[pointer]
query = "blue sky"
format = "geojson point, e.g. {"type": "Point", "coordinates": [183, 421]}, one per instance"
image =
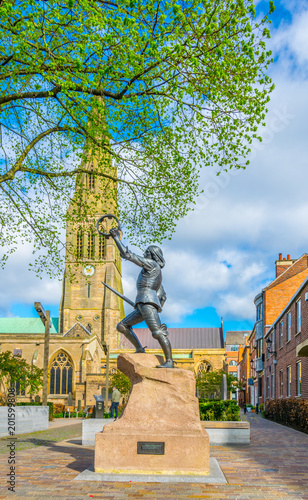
{"type": "Point", "coordinates": [224, 253]}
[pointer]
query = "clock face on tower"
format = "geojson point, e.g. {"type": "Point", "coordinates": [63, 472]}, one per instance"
{"type": "Point", "coordinates": [88, 270]}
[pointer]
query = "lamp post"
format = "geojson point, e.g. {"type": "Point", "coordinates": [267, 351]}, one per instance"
{"type": "Point", "coordinates": [269, 343]}
{"type": "Point", "coordinates": [45, 317]}
{"type": "Point", "coordinates": [106, 351]}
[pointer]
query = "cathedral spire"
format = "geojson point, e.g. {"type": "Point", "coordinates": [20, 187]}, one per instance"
{"type": "Point", "coordinates": [90, 257]}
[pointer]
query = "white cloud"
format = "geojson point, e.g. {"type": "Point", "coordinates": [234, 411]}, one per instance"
{"type": "Point", "coordinates": [19, 285]}
{"type": "Point", "coordinates": [292, 39]}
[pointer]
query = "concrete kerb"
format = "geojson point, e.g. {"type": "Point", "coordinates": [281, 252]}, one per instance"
{"type": "Point", "coordinates": [215, 476]}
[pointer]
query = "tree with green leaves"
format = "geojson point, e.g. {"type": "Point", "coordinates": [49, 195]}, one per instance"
{"type": "Point", "coordinates": [14, 369]}
{"type": "Point", "coordinates": [142, 93]}
{"type": "Point", "coordinates": [121, 382]}
{"type": "Point", "coordinates": [209, 383]}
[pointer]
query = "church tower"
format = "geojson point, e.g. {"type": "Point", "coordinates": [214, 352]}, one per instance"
{"type": "Point", "coordinates": [92, 258]}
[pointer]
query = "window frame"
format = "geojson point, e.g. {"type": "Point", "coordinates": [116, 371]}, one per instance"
{"type": "Point", "coordinates": [289, 325]}
{"type": "Point", "coordinates": [56, 377]}
{"type": "Point", "coordinates": [289, 381]}
{"type": "Point", "coordinates": [298, 316]}
{"type": "Point", "coordinates": [273, 385]}
{"type": "Point", "coordinates": [299, 378]}
{"type": "Point", "coordinates": [280, 334]}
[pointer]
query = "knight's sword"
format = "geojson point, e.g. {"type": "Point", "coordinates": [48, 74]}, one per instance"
{"type": "Point", "coordinates": [130, 302]}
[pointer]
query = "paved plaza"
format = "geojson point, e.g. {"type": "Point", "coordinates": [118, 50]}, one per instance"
{"type": "Point", "coordinates": [274, 466]}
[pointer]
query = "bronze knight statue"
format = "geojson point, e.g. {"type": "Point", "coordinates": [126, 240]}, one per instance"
{"type": "Point", "coordinates": [150, 298]}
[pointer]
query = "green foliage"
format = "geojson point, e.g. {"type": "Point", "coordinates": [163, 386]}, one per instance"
{"type": "Point", "coordinates": [15, 369]}
{"type": "Point", "coordinates": [227, 410]}
{"type": "Point", "coordinates": [157, 88]}
{"type": "Point", "coordinates": [261, 407]}
{"type": "Point", "coordinates": [121, 382]}
{"type": "Point", "coordinates": [291, 412]}
{"type": "Point", "coordinates": [209, 383]}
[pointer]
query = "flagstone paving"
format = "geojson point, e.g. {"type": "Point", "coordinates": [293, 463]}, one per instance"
{"type": "Point", "coordinates": [44, 438]}
{"type": "Point", "coordinates": [274, 466]}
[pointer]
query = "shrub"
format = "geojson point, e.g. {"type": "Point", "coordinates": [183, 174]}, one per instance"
{"type": "Point", "coordinates": [261, 407]}
{"type": "Point", "coordinates": [291, 412]}
{"type": "Point", "coordinates": [219, 410]}
{"type": "Point", "coordinates": [58, 408]}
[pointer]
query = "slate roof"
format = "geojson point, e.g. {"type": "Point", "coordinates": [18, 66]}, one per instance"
{"type": "Point", "coordinates": [237, 338]}
{"type": "Point", "coordinates": [181, 338]}
{"type": "Point", "coordinates": [26, 326]}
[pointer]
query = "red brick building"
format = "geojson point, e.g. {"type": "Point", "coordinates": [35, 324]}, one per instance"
{"type": "Point", "coordinates": [234, 341]}
{"type": "Point", "coordinates": [274, 301]}
{"type": "Point", "coordinates": [286, 357]}
{"type": "Point", "coordinates": [244, 372]}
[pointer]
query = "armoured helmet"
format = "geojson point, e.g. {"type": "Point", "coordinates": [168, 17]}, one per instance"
{"type": "Point", "coordinates": [156, 254]}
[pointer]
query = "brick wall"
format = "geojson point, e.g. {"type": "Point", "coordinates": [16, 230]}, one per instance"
{"type": "Point", "coordinates": [286, 355]}
{"type": "Point", "coordinates": [278, 296]}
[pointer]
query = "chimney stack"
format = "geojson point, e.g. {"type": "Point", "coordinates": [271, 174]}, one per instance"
{"type": "Point", "coordinates": [283, 263]}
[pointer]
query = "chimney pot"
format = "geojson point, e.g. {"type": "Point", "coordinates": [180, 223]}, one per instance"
{"type": "Point", "coordinates": [284, 258]}
{"type": "Point", "coordinates": [288, 257]}
{"type": "Point", "coordinates": [280, 256]}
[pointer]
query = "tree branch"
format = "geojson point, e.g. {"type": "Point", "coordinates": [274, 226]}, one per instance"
{"type": "Point", "coordinates": [10, 174]}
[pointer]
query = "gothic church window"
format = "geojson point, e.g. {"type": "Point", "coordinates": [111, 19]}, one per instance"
{"type": "Point", "coordinates": [61, 374]}
{"type": "Point", "coordinates": [91, 245]}
{"type": "Point", "coordinates": [91, 181]}
{"type": "Point", "coordinates": [203, 367]}
{"type": "Point", "coordinates": [79, 244]}
{"type": "Point", "coordinates": [102, 247]}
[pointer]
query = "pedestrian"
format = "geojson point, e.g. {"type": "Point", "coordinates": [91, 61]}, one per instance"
{"type": "Point", "coordinates": [115, 398]}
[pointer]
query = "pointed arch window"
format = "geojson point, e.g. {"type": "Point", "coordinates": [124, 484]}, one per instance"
{"type": "Point", "coordinates": [61, 374]}
{"type": "Point", "coordinates": [102, 247]}
{"type": "Point", "coordinates": [91, 245]}
{"type": "Point", "coordinates": [203, 367]}
{"type": "Point", "coordinates": [79, 244]}
{"type": "Point", "coordinates": [91, 181]}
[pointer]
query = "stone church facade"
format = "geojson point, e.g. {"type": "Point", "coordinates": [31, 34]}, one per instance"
{"type": "Point", "coordinates": [89, 313]}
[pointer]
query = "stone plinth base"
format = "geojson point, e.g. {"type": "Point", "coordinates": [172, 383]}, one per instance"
{"type": "Point", "coordinates": [184, 454]}
{"type": "Point", "coordinates": [162, 408]}
{"type": "Point", "coordinates": [215, 476]}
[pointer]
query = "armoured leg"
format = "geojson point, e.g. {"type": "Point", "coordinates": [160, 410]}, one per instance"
{"type": "Point", "coordinates": [125, 327]}
{"type": "Point", "coordinates": [159, 331]}
{"type": "Point", "coordinates": [162, 336]}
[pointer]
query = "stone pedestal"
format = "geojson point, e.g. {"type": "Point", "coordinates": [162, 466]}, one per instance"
{"type": "Point", "coordinates": [162, 408]}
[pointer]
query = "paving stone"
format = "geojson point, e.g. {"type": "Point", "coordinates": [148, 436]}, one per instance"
{"type": "Point", "coordinates": [274, 466]}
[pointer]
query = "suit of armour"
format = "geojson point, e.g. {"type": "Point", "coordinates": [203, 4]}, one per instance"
{"type": "Point", "coordinates": [150, 298]}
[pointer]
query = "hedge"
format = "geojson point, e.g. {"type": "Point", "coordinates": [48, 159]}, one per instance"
{"type": "Point", "coordinates": [223, 410]}
{"type": "Point", "coordinates": [291, 412]}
